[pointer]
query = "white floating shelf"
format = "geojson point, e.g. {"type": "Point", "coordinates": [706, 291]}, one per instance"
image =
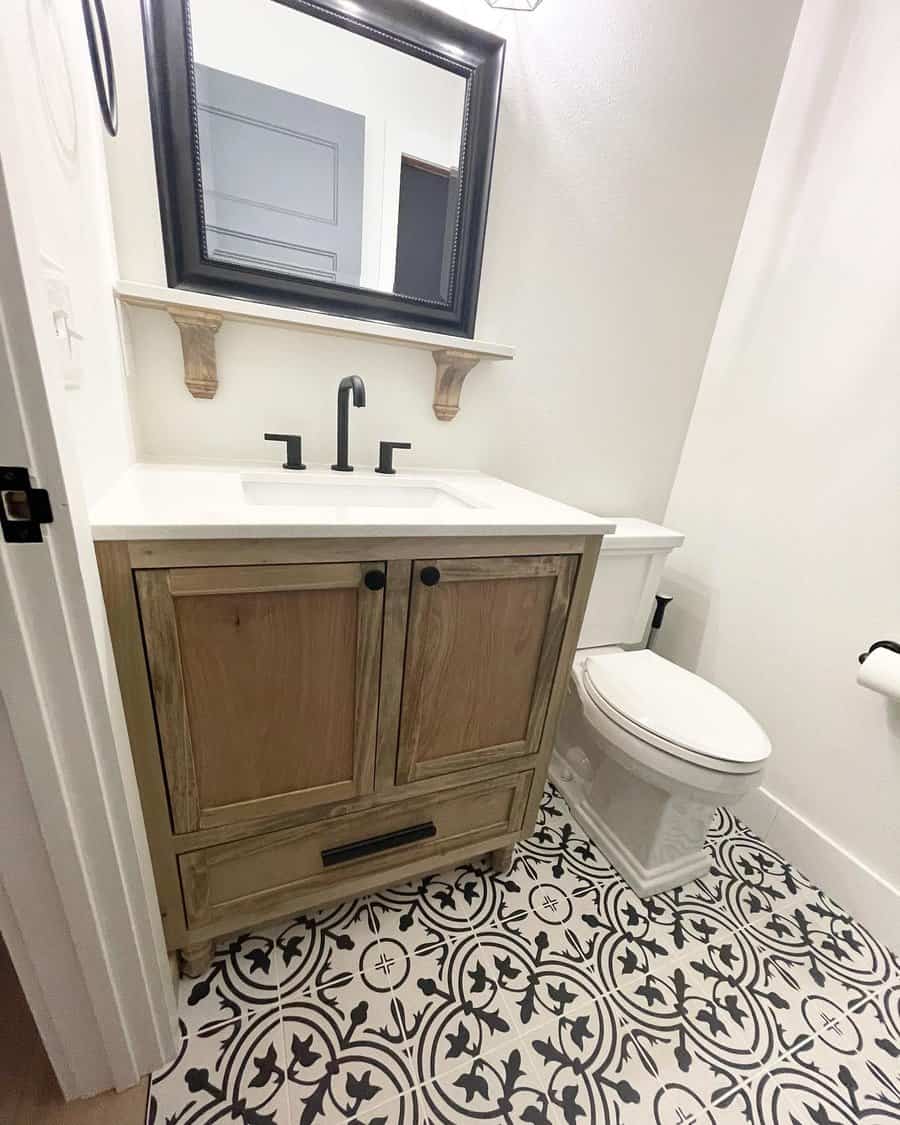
{"type": "Point", "coordinates": [200, 315]}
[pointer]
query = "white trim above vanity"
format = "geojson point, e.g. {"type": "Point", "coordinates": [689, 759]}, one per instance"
{"type": "Point", "coordinates": [200, 315]}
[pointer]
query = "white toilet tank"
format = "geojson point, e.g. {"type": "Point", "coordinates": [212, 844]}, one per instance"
{"type": "Point", "coordinates": [625, 582]}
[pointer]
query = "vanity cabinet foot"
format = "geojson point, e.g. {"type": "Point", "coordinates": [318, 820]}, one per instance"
{"type": "Point", "coordinates": [501, 860]}
{"type": "Point", "coordinates": [196, 959]}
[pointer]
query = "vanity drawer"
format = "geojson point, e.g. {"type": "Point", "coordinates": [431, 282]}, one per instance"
{"type": "Point", "coordinates": [271, 873]}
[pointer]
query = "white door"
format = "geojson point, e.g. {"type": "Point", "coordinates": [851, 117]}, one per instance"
{"type": "Point", "coordinates": [282, 178]}
{"type": "Point", "coordinates": [77, 904]}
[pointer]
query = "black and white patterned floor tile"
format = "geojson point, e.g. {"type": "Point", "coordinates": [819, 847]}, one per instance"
{"type": "Point", "coordinates": [550, 995]}
{"type": "Point", "coordinates": [242, 983]}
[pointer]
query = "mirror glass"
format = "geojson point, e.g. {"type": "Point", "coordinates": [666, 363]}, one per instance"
{"type": "Point", "coordinates": [324, 154]}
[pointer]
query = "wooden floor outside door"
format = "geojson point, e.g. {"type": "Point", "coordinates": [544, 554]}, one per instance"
{"type": "Point", "coordinates": [29, 1094]}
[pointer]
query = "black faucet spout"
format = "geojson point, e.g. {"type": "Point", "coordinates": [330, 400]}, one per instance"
{"type": "Point", "coordinates": [349, 385]}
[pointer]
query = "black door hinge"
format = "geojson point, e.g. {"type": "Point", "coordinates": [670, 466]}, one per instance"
{"type": "Point", "coordinates": [22, 508]}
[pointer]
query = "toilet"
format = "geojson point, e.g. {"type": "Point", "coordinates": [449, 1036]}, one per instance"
{"type": "Point", "coordinates": [647, 750]}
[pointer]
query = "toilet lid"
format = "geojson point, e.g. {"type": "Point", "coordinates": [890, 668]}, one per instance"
{"type": "Point", "coordinates": [687, 712]}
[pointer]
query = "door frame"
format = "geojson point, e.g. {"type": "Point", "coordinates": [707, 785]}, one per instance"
{"type": "Point", "coordinates": [78, 908]}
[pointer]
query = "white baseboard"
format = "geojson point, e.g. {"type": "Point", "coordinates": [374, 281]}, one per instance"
{"type": "Point", "coordinates": [866, 895]}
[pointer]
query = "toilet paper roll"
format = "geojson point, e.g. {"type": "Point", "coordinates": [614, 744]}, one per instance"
{"type": "Point", "coordinates": [881, 672]}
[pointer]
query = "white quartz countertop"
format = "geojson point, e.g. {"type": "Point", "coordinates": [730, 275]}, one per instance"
{"type": "Point", "coordinates": [252, 501]}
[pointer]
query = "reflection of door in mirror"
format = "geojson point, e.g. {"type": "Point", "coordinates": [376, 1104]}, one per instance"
{"type": "Point", "coordinates": [426, 224]}
{"type": "Point", "coordinates": [282, 178]}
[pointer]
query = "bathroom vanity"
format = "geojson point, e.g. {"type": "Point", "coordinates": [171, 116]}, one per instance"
{"type": "Point", "coordinates": [331, 686]}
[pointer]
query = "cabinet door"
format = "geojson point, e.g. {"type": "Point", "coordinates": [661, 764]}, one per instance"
{"type": "Point", "coordinates": [482, 647]}
{"type": "Point", "coordinates": [265, 681]}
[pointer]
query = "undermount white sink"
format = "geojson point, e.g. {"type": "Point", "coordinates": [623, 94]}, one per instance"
{"type": "Point", "coordinates": [360, 493]}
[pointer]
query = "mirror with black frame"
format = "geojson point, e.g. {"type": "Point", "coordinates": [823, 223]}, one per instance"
{"type": "Point", "coordinates": [325, 155]}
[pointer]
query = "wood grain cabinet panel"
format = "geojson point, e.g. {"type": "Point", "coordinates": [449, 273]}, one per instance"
{"type": "Point", "coordinates": [267, 874]}
{"type": "Point", "coordinates": [265, 683]}
{"type": "Point", "coordinates": [483, 641]}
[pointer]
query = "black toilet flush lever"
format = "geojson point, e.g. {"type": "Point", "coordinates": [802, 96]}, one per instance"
{"type": "Point", "coordinates": [294, 449]}
{"type": "Point", "coordinates": [386, 455]}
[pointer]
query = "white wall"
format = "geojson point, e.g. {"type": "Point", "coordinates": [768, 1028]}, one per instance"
{"type": "Point", "coordinates": [57, 109]}
{"type": "Point", "coordinates": [789, 485]}
{"type": "Point", "coordinates": [410, 107]}
{"type": "Point", "coordinates": [629, 138]}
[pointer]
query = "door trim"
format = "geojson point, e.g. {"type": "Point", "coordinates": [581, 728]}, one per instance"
{"type": "Point", "coordinates": [77, 904]}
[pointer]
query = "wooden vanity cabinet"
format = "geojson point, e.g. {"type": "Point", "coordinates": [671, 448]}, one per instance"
{"type": "Point", "coordinates": [311, 719]}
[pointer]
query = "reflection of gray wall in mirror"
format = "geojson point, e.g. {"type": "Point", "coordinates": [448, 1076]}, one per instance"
{"type": "Point", "coordinates": [323, 73]}
{"type": "Point", "coordinates": [425, 229]}
{"type": "Point", "coordinates": [282, 178]}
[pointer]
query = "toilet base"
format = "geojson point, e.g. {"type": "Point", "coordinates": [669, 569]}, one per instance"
{"type": "Point", "coordinates": [645, 880]}
{"type": "Point", "coordinates": [648, 810]}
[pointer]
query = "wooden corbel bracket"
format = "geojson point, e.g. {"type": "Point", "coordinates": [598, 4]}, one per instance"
{"type": "Point", "coordinates": [198, 346]}
{"type": "Point", "coordinates": [451, 366]}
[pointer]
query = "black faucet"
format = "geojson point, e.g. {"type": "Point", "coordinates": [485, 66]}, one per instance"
{"type": "Point", "coordinates": [358, 387]}
{"type": "Point", "coordinates": [294, 449]}
{"type": "Point", "coordinates": [386, 455]}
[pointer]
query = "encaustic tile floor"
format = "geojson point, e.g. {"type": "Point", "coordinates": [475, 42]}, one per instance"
{"type": "Point", "coordinates": [550, 994]}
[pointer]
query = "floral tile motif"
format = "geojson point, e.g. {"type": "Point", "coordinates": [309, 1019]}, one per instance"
{"type": "Point", "coordinates": [550, 923]}
{"type": "Point", "coordinates": [560, 845]}
{"type": "Point", "coordinates": [447, 1006]}
{"type": "Point", "coordinates": [726, 826]}
{"type": "Point", "coordinates": [552, 995]}
{"type": "Point", "coordinates": [767, 1099]}
{"type": "Point", "coordinates": [235, 1072]}
{"type": "Point", "coordinates": [625, 936]}
{"type": "Point", "coordinates": [241, 982]}
{"type": "Point", "coordinates": [405, 1110]}
{"type": "Point", "coordinates": [322, 947]}
{"type": "Point", "coordinates": [536, 985]}
{"type": "Point", "coordinates": [436, 908]}
{"type": "Point", "coordinates": [792, 918]}
{"type": "Point", "coordinates": [598, 1067]}
{"type": "Point", "coordinates": [500, 1088]}
{"type": "Point", "coordinates": [852, 1069]}
{"type": "Point", "coordinates": [344, 1054]}
{"type": "Point", "coordinates": [717, 1020]}
{"type": "Point", "coordinates": [826, 943]}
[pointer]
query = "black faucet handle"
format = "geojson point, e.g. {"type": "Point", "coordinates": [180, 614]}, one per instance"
{"type": "Point", "coordinates": [386, 455]}
{"type": "Point", "coordinates": [294, 449]}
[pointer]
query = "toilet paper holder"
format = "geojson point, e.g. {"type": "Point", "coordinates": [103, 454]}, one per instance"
{"type": "Point", "coordinates": [892, 646]}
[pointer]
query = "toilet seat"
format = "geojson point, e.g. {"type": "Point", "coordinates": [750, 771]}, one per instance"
{"type": "Point", "coordinates": [674, 710]}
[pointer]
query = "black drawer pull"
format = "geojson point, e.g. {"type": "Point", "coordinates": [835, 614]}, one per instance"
{"type": "Point", "coordinates": [346, 852]}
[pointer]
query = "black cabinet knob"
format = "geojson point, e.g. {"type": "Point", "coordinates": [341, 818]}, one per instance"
{"type": "Point", "coordinates": [375, 579]}
{"type": "Point", "coordinates": [430, 576]}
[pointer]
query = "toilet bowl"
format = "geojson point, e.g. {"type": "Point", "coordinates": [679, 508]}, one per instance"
{"type": "Point", "coordinates": [647, 750]}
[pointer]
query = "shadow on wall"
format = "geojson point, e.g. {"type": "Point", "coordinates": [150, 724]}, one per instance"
{"type": "Point", "coordinates": [892, 718]}
{"type": "Point", "coordinates": [684, 627]}
{"type": "Point", "coordinates": [823, 93]}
